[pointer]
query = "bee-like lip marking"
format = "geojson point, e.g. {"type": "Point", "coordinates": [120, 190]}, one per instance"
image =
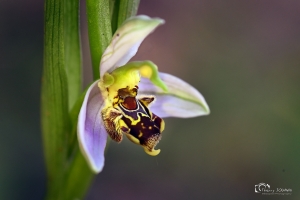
{"type": "Point", "coordinates": [134, 119]}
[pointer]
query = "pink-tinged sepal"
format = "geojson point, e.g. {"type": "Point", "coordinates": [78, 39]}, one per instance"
{"type": "Point", "coordinates": [92, 135]}
{"type": "Point", "coordinates": [181, 99]}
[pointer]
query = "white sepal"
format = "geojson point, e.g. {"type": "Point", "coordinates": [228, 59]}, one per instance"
{"type": "Point", "coordinates": [126, 41]}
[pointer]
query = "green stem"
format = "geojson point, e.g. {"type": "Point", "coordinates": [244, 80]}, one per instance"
{"type": "Point", "coordinates": [127, 9]}
{"type": "Point", "coordinates": [72, 50]}
{"type": "Point", "coordinates": [114, 9]}
{"type": "Point", "coordinates": [54, 100]}
{"type": "Point", "coordinates": [78, 177]}
{"type": "Point", "coordinates": [99, 28]}
{"type": "Point", "coordinates": [122, 10]}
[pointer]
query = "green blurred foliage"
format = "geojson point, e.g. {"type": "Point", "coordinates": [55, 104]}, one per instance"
{"type": "Point", "coordinates": [243, 56]}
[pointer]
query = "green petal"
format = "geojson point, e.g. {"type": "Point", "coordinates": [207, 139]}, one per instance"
{"type": "Point", "coordinates": [146, 69]}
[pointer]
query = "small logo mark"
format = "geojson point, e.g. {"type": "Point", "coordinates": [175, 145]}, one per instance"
{"type": "Point", "coordinates": [265, 189]}
{"type": "Point", "coordinates": [261, 187]}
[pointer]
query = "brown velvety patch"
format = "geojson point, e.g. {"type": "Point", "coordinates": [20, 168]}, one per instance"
{"type": "Point", "coordinates": [130, 103]}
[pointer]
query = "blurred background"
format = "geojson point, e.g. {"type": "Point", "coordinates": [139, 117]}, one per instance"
{"type": "Point", "coordinates": [243, 56]}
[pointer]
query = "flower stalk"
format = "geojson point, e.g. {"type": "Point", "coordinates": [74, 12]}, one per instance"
{"type": "Point", "coordinates": [55, 112]}
{"type": "Point", "coordinates": [99, 29]}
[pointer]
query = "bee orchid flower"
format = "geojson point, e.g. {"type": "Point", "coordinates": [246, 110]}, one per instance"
{"type": "Point", "coordinates": [132, 98]}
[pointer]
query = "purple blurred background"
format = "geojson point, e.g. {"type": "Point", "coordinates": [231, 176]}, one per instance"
{"type": "Point", "coordinates": [243, 56]}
